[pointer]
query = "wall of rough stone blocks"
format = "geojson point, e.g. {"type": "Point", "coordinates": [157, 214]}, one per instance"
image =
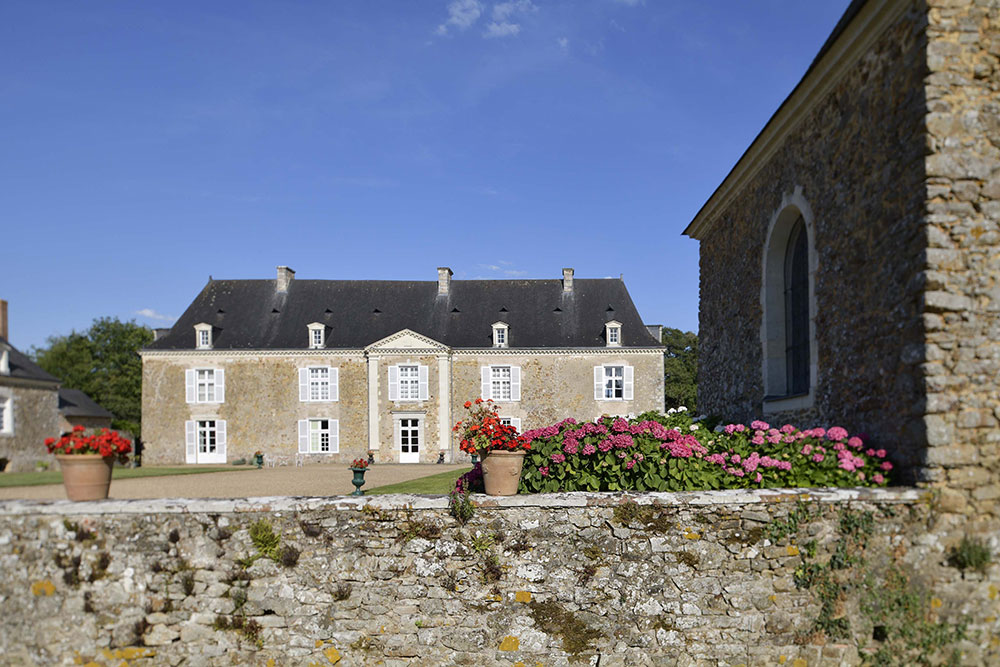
{"type": "Point", "coordinates": [36, 417]}
{"type": "Point", "coordinates": [858, 157]}
{"type": "Point", "coordinates": [961, 282]}
{"type": "Point", "coordinates": [688, 579]}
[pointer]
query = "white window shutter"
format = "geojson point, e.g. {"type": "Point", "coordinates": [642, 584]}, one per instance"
{"type": "Point", "coordinates": [220, 436]}
{"type": "Point", "coordinates": [220, 385]}
{"type": "Point", "coordinates": [628, 383]}
{"type": "Point", "coordinates": [303, 436]}
{"type": "Point", "coordinates": [189, 394]}
{"type": "Point", "coordinates": [303, 384]}
{"type": "Point", "coordinates": [190, 436]}
{"type": "Point", "coordinates": [393, 383]}
{"type": "Point", "coordinates": [396, 432]}
{"type": "Point", "coordinates": [334, 436]}
{"type": "Point", "coordinates": [516, 423]}
{"type": "Point", "coordinates": [334, 384]}
{"type": "Point", "coordinates": [486, 382]}
{"type": "Point", "coordinates": [515, 383]}
{"type": "Point", "coordinates": [598, 383]}
{"type": "Point", "coordinates": [423, 383]}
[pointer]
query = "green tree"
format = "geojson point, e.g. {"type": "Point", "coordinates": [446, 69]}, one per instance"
{"type": "Point", "coordinates": [680, 368]}
{"type": "Point", "coordinates": [103, 362]}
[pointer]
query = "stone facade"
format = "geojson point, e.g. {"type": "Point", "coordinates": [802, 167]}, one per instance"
{"type": "Point", "coordinates": [261, 406]}
{"type": "Point", "coordinates": [960, 363]}
{"type": "Point", "coordinates": [890, 144]}
{"type": "Point", "coordinates": [717, 578]}
{"type": "Point", "coordinates": [36, 417]}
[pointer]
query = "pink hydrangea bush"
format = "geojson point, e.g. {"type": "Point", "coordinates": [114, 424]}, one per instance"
{"type": "Point", "coordinates": [676, 452]}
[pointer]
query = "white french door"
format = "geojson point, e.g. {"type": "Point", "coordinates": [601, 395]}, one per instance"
{"type": "Point", "coordinates": [409, 440]}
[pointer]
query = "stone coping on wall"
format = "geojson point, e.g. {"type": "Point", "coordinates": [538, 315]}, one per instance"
{"type": "Point", "coordinates": [413, 501]}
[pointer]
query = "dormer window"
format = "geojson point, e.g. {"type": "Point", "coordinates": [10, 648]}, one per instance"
{"type": "Point", "coordinates": [4, 362]}
{"type": "Point", "coordinates": [317, 335]}
{"type": "Point", "coordinates": [203, 336]}
{"type": "Point", "coordinates": [613, 333]}
{"type": "Point", "coordinates": [500, 334]}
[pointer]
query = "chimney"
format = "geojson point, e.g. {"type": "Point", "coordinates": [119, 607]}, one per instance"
{"type": "Point", "coordinates": [3, 320]}
{"type": "Point", "coordinates": [285, 277]}
{"type": "Point", "coordinates": [567, 280]}
{"type": "Point", "coordinates": [444, 279]}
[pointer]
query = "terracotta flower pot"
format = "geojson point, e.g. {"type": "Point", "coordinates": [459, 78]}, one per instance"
{"type": "Point", "coordinates": [502, 472]}
{"type": "Point", "coordinates": [86, 476]}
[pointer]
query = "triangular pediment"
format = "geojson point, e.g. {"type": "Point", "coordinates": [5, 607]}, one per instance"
{"type": "Point", "coordinates": [406, 340]}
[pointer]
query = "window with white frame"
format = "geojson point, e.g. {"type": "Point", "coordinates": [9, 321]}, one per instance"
{"type": "Point", "coordinates": [501, 383]}
{"type": "Point", "coordinates": [319, 384]}
{"type": "Point", "coordinates": [6, 415]}
{"type": "Point", "coordinates": [409, 382]}
{"type": "Point", "coordinates": [512, 421]}
{"type": "Point", "coordinates": [205, 385]}
{"type": "Point", "coordinates": [203, 336]}
{"type": "Point", "coordinates": [317, 335]}
{"type": "Point", "coordinates": [206, 441]}
{"type": "Point", "coordinates": [500, 334]}
{"type": "Point", "coordinates": [613, 382]}
{"type": "Point", "coordinates": [319, 436]}
{"type": "Point", "coordinates": [613, 333]}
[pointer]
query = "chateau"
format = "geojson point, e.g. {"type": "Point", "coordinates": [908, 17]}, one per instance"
{"type": "Point", "coordinates": [330, 370]}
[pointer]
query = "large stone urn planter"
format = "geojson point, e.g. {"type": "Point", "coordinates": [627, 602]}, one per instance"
{"type": "Point", "coordinates": [502, 472]}
{"type": "Point", "coordinates": [86, 476]}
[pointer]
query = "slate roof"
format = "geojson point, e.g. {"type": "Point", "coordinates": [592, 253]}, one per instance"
{"type": "Point", "coordinates": [251, 314]}
{"type": "Point", "coordinates": [75, 403]}
{"type": "Point", "coordinates": [23, 367]}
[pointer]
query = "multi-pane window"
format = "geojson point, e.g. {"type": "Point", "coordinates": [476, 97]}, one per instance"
{"type": "Point", "coordinates": [409, 435]}
{"type": "Point", "coordinates": [409, 383]}
{"type": "Point", "coordinates": [511, 421]}
{"type": "Point", "coordinates": [319, 436]}
{"type": "Point", "coordinates": [500, 335]}
{"type": "Point", "coordinates": [500, 383]}
{"type": "Point", "coordinates": [205, 385]}
{"type": "Point", "coordinates": [6, 423]}
{"type": "Point", "coordinates": [316, 337]}
{"type": "Point", "coordinates": [614, 382]}
{"type": "Point", "coordinates": [207, 437]}
{"type": "Point", "coordinates": [319, 383]}
{"type": "Point", "coordinates": [614, 335]}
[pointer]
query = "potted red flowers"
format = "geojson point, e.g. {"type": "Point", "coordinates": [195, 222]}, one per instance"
{"type": "Point", "coordinates": [497, 445]}
{"type": "Point", "coordinates": [358, 467]}
{"type": "Point", "coordinates": [86, 461]}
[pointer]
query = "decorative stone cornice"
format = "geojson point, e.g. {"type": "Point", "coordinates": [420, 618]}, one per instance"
{"type": "Point", "coordinates": [168, 354]}
{"type": "Point", "coordinates": [856, 40]}
{"type": "Point", "coordinates": [530, 352]}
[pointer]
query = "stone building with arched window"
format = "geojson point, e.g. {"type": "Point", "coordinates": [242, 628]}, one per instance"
{"type": "Point", "coordinates": [850, 261]}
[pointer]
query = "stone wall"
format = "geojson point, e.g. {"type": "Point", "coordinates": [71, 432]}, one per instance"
{"type": "Point", "coordinates": [741, 577]}
{"type": "Point", "coordinates": [857, 159]}
{"type": "Point", "coordinates": [36, 417]}
{"type": "Point", "coordinates": [961, 361]}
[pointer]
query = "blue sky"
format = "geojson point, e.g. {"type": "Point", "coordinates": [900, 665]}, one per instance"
{"type": "Point", "coordinates": [147, 145]}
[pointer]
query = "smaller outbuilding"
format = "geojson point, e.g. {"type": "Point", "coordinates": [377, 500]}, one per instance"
{"type": "Point", "coordinates": [78, 409]}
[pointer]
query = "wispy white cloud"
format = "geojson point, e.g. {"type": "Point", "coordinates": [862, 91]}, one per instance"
{"type": "Point", "coordinates": [631, 3]}
{"type": "Point", "coordinates": [502, 29]}
{"type": "Point", "coordinates": [151, 314]}
{"type": "Point", "coordinates": [514, 273]}
{"type": "Point", "coordinates": [498, 268]}
{"type": "Point", "coordinates": [462, 14]}
{"type": "Point", "coordinates": [563, 43]}
{"type": "Point", "coordinates": [505, 15]}
{"type": "Point", "coordinates": [617, 26]}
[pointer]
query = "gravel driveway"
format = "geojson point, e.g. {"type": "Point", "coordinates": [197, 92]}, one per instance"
{"type": "Point", "coordinates": [311, 480]}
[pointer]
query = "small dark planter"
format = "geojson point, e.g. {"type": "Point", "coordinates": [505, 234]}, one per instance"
{"type": "Point", "coordinates": [259, 460]}
{"type": "Point", "coordinates": [358, 481]}
{"type": "Point", "coordinates": [475, 459]}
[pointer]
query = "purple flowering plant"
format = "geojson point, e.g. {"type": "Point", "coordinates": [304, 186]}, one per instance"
{"type": "Point", "coordinates": [677, 452]}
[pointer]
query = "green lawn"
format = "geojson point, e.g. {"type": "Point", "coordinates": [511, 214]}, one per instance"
{"type": "Point", "coordinates": [440, 484]}
{"type": "Point", "coordinates": [55, 476]}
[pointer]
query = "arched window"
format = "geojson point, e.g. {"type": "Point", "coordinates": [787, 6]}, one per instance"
{"type": "Point", "coordinates": [788, 302]}
{"type": "Point", "coordinates": [796, 289]}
